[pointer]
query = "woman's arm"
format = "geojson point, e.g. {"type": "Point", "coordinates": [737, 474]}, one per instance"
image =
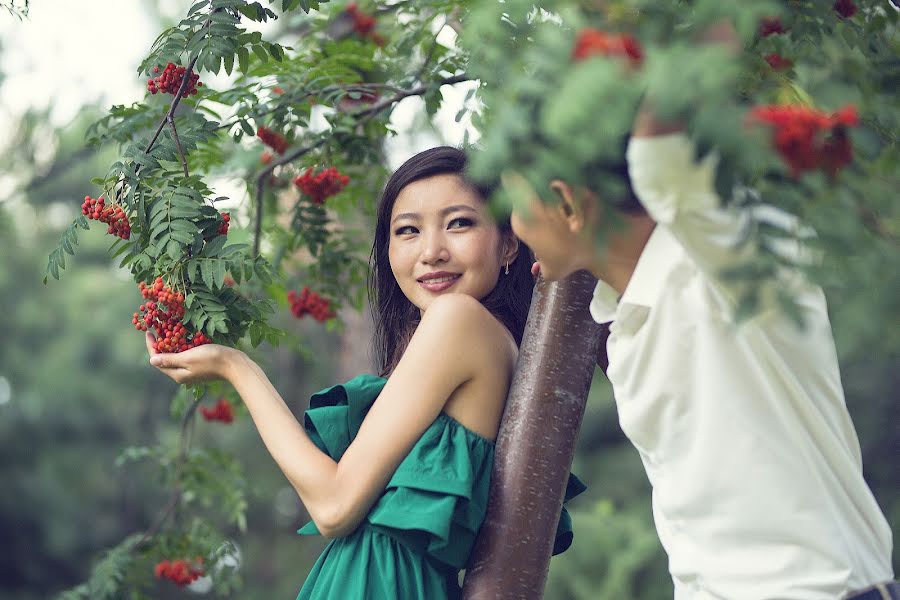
{"type": "Point", "coordinates": [456, 342]}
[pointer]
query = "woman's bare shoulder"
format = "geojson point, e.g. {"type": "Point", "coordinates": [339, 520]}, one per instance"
{"type": "Point", "coordinates": [462, 320]}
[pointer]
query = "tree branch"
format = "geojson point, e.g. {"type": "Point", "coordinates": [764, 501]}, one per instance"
{"type": "Point", "coordinates": [363, 116]}
{"type": "Point", "coordinates": [180, 149]}
{"type": "Point", "coordinates": [175, 499]}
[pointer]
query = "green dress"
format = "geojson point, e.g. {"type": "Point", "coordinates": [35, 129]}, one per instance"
{"type": "Point", "coordinates": [419, 533]}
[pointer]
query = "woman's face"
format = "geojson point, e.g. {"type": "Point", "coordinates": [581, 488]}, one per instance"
{"type": "Point", "coordinates": [443, 240]}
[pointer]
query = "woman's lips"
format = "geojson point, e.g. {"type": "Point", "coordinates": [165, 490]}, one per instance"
{"type": "Point", "coordinates": [535, 269]}
{"type": "Point", "coordinates": [439, 284]}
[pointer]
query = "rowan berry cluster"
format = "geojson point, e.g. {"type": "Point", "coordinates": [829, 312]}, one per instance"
{"type": "Point", "coordinates": [845, 8]}
{"type": "Point", "coordinates": [321, 186]}
{"type": "Point", "coordinates": [223, 226]}
{"type": "Point", "coordinates": [163, 312]}
{"type": "Point", "coordinates": [113, 215]}
{"type": "Point", "coordinates": [170, 81]}
{"type": "Point", "coordinates": [808, 139]}
{"type": "Point", "coordinates": [220, 411]}
{"type": "Point", "coordinates": [272, 139]}
{"type": "Point", "coordinates": [778, 62]}
{"type": "Point", "coordinates": [181, 572]}
{"type": "Point", "coordinates": [593, 42]}
{"type": "Point", "coordinates": [770, 26]}
{"type": "Point", "coordinates": [310, 303]}
{"type": "Point", "coordinates": [364, 24]}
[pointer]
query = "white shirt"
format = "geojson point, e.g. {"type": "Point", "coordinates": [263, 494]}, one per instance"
{"type": "Point", "coordinates": [757, 479]}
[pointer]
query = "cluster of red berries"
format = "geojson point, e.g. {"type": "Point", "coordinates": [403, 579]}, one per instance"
{"type": "Point", "coordinates": [114, 216]}
{"type": "Point", "coordinates": [163, 312]}
{"type": "Point", "coordinates": [321, 186]}
{"type": "Point", "coordinates": [364, 24]}
{"type": "Point", "coordinates": [170, 81]}
{"type": "Point", "coordinates": [220, 411]}
{"type": "Point", "coordinates": [778, 62]}
{"type": "Point", "coordinates": [181, 572]}
{"type": "Point", "coordinates": [310, 303]}
{"type": "Point", "coordinates": [265, 158]}
{"type": "Point", "coordinates": [808, 139]}
{"type": "Point", "coordinates": [223, 226]}
{"type": "Point", "coordinates": [844, 8]}
{"type": "Point", "coordinates": [593, 42]}
{"type": "Point", "coordinates": [273, 140]}
{"type": "Point", "coordinates": [771, 26]}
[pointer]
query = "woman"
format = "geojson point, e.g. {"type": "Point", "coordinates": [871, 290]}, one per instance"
{"type": "Point", "coordinates": [395, 469]}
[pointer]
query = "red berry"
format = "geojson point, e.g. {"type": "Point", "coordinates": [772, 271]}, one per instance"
{"type": "Point", "coordinates": [319, 187]}
{"type": "Point", "coordinates": [273, 140]}
{"type": "Point", "coordinates": [593, 42]}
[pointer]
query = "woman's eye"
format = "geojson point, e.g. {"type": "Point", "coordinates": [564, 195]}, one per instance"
{"type": "Point", "coordinates": [405, 230]}
{"type": "Point", "coordinates": [460, 222]}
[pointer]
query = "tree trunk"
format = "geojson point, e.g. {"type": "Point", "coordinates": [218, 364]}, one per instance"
{"type": "Point", "coordinates": [536, 443]}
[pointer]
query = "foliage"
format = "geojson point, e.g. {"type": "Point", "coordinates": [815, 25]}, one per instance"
{"type": "Point", "coordinates": [549, 115]}
{"type": "Point", "coordinates": [16, 9]}
{"type": "Point", "coordinates": [330, 91]}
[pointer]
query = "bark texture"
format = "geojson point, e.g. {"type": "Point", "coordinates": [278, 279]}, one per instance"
{"type": "Point", "coordinates": [536, 443]}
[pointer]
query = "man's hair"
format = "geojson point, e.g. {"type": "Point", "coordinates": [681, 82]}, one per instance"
{"type": "Point", "coordinates": [597, 176]}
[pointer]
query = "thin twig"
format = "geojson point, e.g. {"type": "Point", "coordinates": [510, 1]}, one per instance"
{"type": "Point", "coordinates": [416, 91]}
{"type": "Point", "coordinates": [180, 149]}
{"type": "Point", "coordinates": [175, 499]}
{"type": "Point", "coordinates": [178, 96]}
{"type": "Point", "coordinates": [363, 86]}
{"type": "Point", "coordinates": [430, 55]}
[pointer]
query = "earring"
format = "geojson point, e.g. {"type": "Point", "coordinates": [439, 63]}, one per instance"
{"type": "Point", "coordinates": [506, 272]}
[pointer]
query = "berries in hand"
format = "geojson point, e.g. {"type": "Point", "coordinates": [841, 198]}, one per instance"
{"type": "Point", "coordinates": [322, 186]}
{"type": "Point", "coordinates": [308, 302]}
{"type": "Point", "coordinates": [113, 215]}
{"type": "Point", "coordinates": [163, 312]}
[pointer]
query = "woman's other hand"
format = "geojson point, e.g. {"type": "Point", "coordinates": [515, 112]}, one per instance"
{"type": "Point", "coordinates": [203, 363]}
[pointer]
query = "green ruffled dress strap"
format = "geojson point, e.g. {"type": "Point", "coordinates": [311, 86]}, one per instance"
{"type": "Point", "coordinates": [445, 477]}
{"type": "Point", "coordinates": [564, 531]}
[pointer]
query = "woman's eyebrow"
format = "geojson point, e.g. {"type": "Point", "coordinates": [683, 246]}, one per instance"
{"type": "Point", "coordinates": [444, 212]}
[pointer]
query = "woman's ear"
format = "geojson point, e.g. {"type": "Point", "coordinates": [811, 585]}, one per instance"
{"type": "Point", "coordinates": [510, 247]}
{"type": "Point", "coordinates": [570, 205]}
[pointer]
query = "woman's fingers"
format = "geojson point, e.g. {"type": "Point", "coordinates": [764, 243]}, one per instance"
{"type": "Point", "coordinates": [149, 340]}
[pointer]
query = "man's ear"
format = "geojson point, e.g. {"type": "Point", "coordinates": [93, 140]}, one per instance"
{"type": "Point", "coordinates": [570, 205]}
{"type": "Point", "coordinates": [510, 247]}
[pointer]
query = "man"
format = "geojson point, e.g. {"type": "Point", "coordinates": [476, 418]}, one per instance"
{"type": "Point", "coordinates": [742, 428]}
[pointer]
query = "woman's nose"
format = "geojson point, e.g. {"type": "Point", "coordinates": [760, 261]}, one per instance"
{"type": "Point", "coordinates": [434, 248]}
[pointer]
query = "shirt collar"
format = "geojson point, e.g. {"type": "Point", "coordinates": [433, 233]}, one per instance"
{"type": "Point", "coordinates": [646, 283]}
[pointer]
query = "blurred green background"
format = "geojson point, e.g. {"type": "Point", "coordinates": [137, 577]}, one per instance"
{"type": "Point", "coordinates": [76, 389]}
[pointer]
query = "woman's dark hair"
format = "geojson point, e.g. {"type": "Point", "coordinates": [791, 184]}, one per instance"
{"type": "Point", "coordinates": [395, 316]}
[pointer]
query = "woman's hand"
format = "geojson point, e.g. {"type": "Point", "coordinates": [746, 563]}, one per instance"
{"type": "Point", "coordinates": [203, 363]}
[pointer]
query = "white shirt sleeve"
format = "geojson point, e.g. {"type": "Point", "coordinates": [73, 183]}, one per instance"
{"type": "Point", "coordinates": [678, 192]}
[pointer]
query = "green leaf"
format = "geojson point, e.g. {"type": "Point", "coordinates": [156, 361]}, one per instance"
{"type": "Point", "coordinates": [228, 62]}
{"type": "Point", "coordinates": [260, 53]}
{"type": "Point", "coordinates": [219, 273]}
{"type": "Point", "coordinates": [197, 7]}
{"type": "Point", "coordinates": [206, 270]}
{"type": "Point", "coordinates": [243, 59]}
